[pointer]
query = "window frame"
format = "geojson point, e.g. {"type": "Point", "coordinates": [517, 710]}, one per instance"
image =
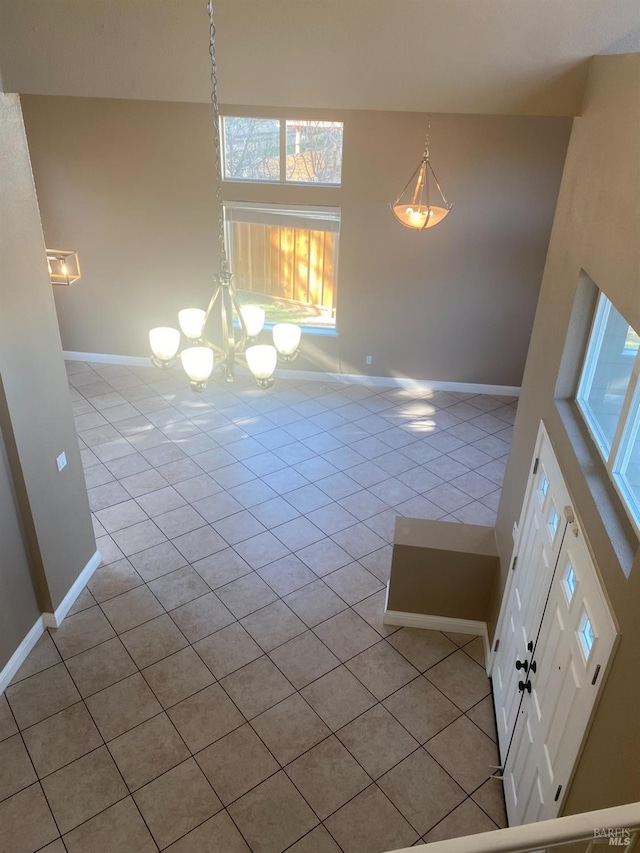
{"type": "Point", "coordinates": [282, 154]}
{"type": "Point", "coordinates": [616, 457]}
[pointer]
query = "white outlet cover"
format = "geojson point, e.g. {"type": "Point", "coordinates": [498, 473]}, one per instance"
{"type": "Point", "coordinates": [61, 461]}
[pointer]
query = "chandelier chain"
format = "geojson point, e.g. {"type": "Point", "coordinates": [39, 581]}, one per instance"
{"type": "Point", "coordinates": [224, 261]}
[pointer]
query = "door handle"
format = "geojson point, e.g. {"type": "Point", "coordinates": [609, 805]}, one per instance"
{"type": "Point", "coordinates": [524, 685]}
{"type": "Point", "coordinates": [523, 664]}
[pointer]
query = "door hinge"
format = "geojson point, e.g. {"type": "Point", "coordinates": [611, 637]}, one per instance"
{"type": "Point", "coordinates": [495, 648]}
{"type": "Point", "coordinates": [535, 465]}
{"type": "Point", "coordinates": [596, 674]}
{"type": "Point", "coordinates": [514, 564]}
{"type": "Point", "coordinates": [557, 796]}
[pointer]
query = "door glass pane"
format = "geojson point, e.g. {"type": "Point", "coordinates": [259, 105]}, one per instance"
{"type": "Point", "coordinates": [610, 357]}
{"type": "Point", "coordinates": [251, 149]}
{"type": "Point", "coordinates": [586, 635]}
{"type": "Point", "coordinates": [569, 583]}
{"type": "Point", "coordinates": [314, 151]}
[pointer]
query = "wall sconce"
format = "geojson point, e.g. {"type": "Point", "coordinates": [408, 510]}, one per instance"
{"type": "Point", "coordinates": [64, 267]}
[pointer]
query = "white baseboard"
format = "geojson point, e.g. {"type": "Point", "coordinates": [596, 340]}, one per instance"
{"type": "Point", "coordinates": [21, 653]}
{"type": "Point", "coordinates": [418, 385]}
{"type": "Point", "coordinates": [54, 620]}
{"type": "Point", "coordinates": [438, 623]}
{"type": "Point", "coordinates": [106, 358]}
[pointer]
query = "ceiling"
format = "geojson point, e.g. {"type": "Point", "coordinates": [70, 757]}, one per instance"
{"type": "Point", "coordinates": [513, 57]}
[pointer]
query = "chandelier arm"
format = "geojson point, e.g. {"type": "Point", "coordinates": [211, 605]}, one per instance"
{"type": "Point", "coordinates": [228, 334]}
{"type": "Point", "coordinates": [216, 349]}
{"type": "Point", "coordinates": [240, 346]}
{"type": "Point", "coordinates": [212, 301]}
{"type": "Point", "coordinates": [446, 203]}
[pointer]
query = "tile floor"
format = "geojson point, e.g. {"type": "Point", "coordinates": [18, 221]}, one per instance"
{"type": "Point", "coordinates": [225, 682]}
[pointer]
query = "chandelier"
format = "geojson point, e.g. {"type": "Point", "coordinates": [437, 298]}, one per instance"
{"type": "Point", "coordinates": [201, 357]}
{"type": "Point", "coordinates": [421, 204]}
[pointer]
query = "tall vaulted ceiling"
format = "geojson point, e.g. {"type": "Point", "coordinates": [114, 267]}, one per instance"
{"type": "Point", "coordinates": [458, 56]}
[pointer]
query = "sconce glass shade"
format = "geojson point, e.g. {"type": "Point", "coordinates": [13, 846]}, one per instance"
{"type": "Point", "coordinates": [165, 342]}
{"type": "Point", "coordinates": [198, 364]}
{"type": "Point", "coordinates": [262, 361]}
{"type": "Point", "coordinates": [421, 204]}
{"type": "Point", "coordinates": [253, 317]}
{"type": "Point", "coordinates": [192, 322]}
{"type": "Point", "coordinates": [286, 338]}
{"type": "Point", "coordinates": [64, 267]}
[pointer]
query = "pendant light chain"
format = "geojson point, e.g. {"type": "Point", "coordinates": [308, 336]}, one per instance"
{"type": "Point", "coordinates": [224, 261]}
{"type": "Point", "coordinates": [425, 156]}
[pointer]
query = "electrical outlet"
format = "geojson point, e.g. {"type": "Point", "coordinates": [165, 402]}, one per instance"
{"type": "Point", "coordinates": [368, 359]}
{"type": "Point", "coordinates": [61, 461]}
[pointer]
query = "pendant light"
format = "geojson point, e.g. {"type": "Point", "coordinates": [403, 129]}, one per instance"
{"type": "Point", "coordinates": [421, 204]}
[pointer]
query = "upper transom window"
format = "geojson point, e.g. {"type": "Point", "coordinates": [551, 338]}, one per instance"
{"type": "Point", "coordinates": [268, 150]}
{"type": "Point", "coordinates": [609, 399]}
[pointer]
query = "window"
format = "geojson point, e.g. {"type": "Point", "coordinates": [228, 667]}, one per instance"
{"type": "Point", "coordinates": [282, 151]}
{"type": "Point", "coordinates": [609, 399]}
{"type": "Point", "coordinates": [569, 583]}
{"type": "Point", "coordinates": [285, 259]}
{"type": "Point", "coordinates": [586, 635]}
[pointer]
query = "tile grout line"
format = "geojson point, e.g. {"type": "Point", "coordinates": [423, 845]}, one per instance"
{"type": "Point", "coordinates": [237, 620]}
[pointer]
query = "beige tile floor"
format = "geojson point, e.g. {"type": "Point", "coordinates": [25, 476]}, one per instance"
{"type": "Point", "coordinates": [225, 682]}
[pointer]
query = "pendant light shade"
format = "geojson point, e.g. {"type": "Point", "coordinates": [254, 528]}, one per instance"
{"type": "Point", "coordinates": [192, 322]}
{"type": "Point", "coordinates": [286, 339]}
{"type": "Point", "coordinates": [198, 365]}
{"type": "Point", "coordinates": [262, 361]}
{"type": "Point", "coordinates": [421, 204]}
{"type": "Point", "coordinates": [165, 343]}
{"type": "Point", "coordinates": [253, 317]}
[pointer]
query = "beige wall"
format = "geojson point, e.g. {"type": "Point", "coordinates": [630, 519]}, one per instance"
{"type": "Point", "coordinates": [129, 184]}
{"type": "Point", "coordinates": [18, 606]}
{"type": "Point", "coordinates": [54, 506]}
{"type": "Point", "coordinates": [596, 229]}
{"type": "Point", "coordinates": [442, 568]}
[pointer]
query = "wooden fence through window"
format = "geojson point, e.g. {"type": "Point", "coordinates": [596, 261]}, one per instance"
{"type": "Point", "coordinates": [288, 263]}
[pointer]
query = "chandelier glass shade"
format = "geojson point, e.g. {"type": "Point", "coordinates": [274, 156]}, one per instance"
{"type": "Point", "coordinates": [421, 204]}
{"type": "Point", "coordinates": [238, 325]}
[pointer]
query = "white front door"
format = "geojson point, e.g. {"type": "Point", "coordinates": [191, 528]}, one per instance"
{"type": "Point", "coordinates": [540, 533]}
{"type": "Point", "coordinates": [576, 640]}
{"type": "Point", "coordinates": [555, 636]}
